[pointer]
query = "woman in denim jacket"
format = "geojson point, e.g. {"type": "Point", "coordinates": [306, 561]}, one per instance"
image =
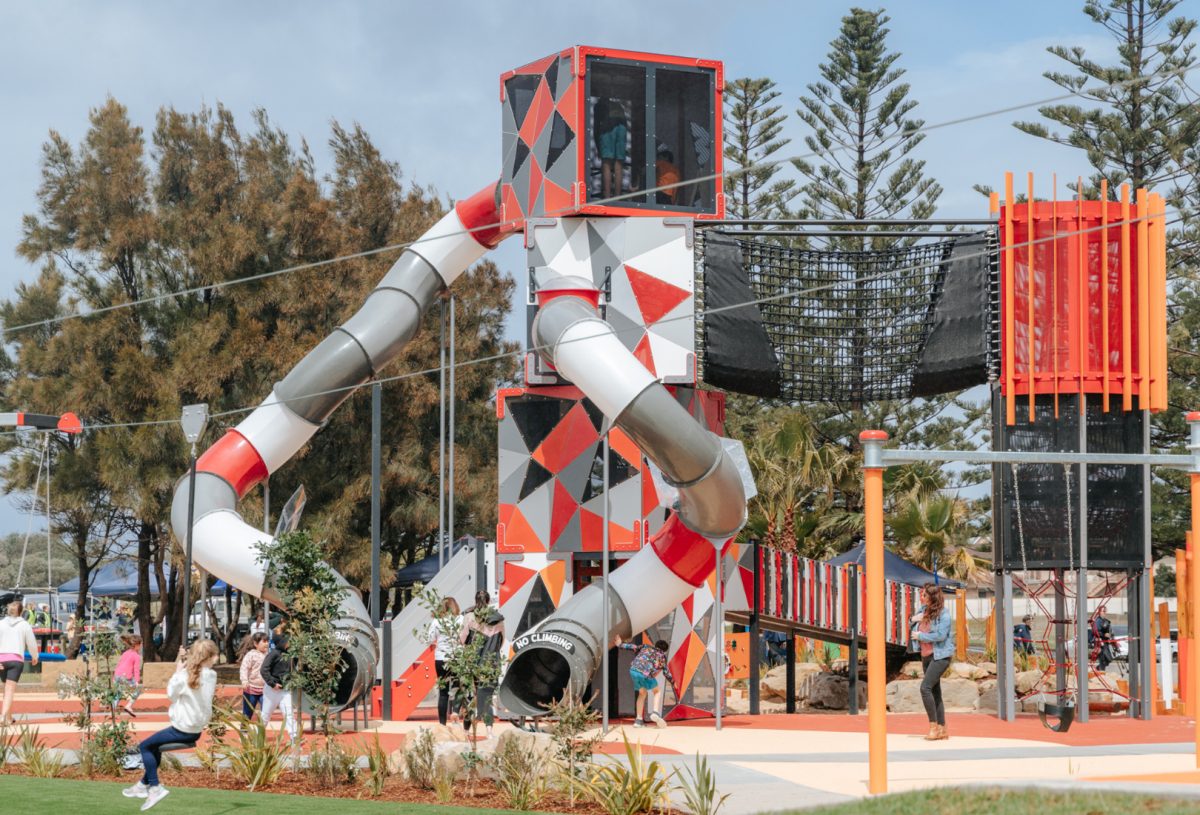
{"type": "Point", "coordinates": [935, 632]}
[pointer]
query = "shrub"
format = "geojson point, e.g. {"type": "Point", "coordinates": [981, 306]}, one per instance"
{"type": "Point", "coordinates": [570, 718]}
{"type": "Point", "coordinates": [520, 775]}
{"type": "Point", "coordinates": [444, 780]}
{"type": "Point", "coordinates": [627, 790]}
{"type": "Point", "coordinates": [8, 743]}
{"type": "Point", "coordinates": [377, 767]}
{"type": "Point", "coordinates": [105, 750]}
{"type": "Point", "coordinates": [420, 760]}
{"type": "Point", "coordinates": [103, 747]}
{"type": "Point", "coordinates": [333, 764]}
{"type": "Point", "coordinates": [699, 788]}
{"type": "Point", "coordinates": [36, 756]}
{"type": "Point", "coordinates": [255, 758]}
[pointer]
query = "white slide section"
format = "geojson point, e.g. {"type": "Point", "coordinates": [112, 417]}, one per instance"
{"type": "Point", "coordinates": [456, 579]}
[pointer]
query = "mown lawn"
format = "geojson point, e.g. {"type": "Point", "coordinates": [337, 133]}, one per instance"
{"type": "Point", "coordinates": [997, 801]}
{"type": "Point", "coordinates": [19, 794]}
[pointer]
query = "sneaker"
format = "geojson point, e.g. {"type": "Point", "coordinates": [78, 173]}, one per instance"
{"type": "Point", "coordinates": [658, 720]}
{"type": "Point", "coordinates": [138, 790]}
{"type": "Point", "coordinates": [638, 723]}
{"type": "Point", "coordinates": [154, 795]}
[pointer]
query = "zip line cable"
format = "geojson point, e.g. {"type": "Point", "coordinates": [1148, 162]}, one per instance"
{"type": "Point", "coordinates": [521, 352]}
{"type": "Point", "coordinates": [767, 163]}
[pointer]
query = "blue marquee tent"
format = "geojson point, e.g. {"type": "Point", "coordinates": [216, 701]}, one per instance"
{"type": "Point", "coordinates": [895, 568]}
{"type": "Point", "coordinates": [117, 578]}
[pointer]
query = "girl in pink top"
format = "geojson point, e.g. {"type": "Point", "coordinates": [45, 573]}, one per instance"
{"type": "Point", "coordinates": [128, 676]}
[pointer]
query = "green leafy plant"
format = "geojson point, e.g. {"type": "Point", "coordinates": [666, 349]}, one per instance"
{"type": "Point", "coordinates": [520, 775]}
{"type": "Point", "coordinates": [629, 787]}
{"type": "Point", "coordinates": [333, 764]}
{"type": "Point", "coordinates": [699, 787]}
{"type": "Point", "coordinates": [472, 760]}
{"type": "Point", "coordinates": [570, 720]}
{"type": "Point", "coordinates": [103, 745]}
{"type": "Point", "coordinates": [420, 760]}
{"type": "Point", "coordinates": [8, 743]}
{"type": "Point", "coordinates": [35, 755]}
{"type": "Point", "coordinates": [378, 770]}
{"type": "Point", "coordinates": [312, 594]}
{"type": "Point", "coordinates": [255, 758]}
{"type": "Point", "coordinates": [225, 716]}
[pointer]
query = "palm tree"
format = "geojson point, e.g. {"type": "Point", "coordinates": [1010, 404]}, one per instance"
{"type": "Point", "coordinates": [932, 531]}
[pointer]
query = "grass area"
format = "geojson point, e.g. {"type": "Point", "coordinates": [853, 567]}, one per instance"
{"type": "Point", "coordinates": [996, 801]}
{"type": "Point", "coordinates": [21, 794]}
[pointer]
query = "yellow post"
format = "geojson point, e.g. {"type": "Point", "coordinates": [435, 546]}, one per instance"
{"type": "Point", "coordinates": [872, 442]}
{"type": "Point", "coordinates": [960, 625]}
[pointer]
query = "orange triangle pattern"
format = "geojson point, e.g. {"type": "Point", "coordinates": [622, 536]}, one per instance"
{"type": "Point", "coordinates": [514, 578]}
{"type": "Point", "coordinates": [574, 434]}
{"type": "Point", "coordinates": [644, 354]}
{"type": "Point", "coordinates": [562, 509]}
{"type": "Point", "coordinates": [519, 532]}
{"type": "Point", "coordinates": [654, 297]}
{"type": "Point", "coordinates": [554, 576]}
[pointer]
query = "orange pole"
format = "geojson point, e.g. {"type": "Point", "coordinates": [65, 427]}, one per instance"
{"type": "Point", "coordinates": [1126, 307]}
{"type": "Point", "coordinates": [1030, 238]}
{"type": "Point", "coordinates": [1104, 283]}
{"type": "Point", "coordinates": [960, 625]}
{"type": "Point", "coordinates": [1158, 315]}
{"type": "Point", "coordinates": [872, 442]}
{"type": "Point", "coordinates": [1143, 299]}
{"type": "Point", "coordinates": [1194, 579]}
{"type": "Point", "coordinates": [1085, 304]}
{"type": "Point", "coordinates": [1010, 401]}
{"type": "Point", "coordinates": [1054, 283]}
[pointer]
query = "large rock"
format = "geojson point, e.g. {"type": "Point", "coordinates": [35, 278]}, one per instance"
{"type": "Point", "coordinates": [1027, 681]}
{"type": "Point", "coordinates": [540, 745]}
{"type": "Point", "coordinates": [823, 691]}
{"type": "Point", "coordinates": [904, 696]}
{"type": "Point", "coordinates": [965, 670]}
{"type": "Point", "coordinates": [774, 684]}
{"type": "Point", "coordinates": [913, 670]}
{"type": "Point", "coordinates": [990, 667]}
{"type": "Point", "coordinates": [989, 697]}
{"type": "Point", "coordinates": [959, 693]}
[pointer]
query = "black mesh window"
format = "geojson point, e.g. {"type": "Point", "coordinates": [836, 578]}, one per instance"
{"type": "Point", "coordinates": [616, 141]}
{"type": "Point", "coordinates": [683, 135]}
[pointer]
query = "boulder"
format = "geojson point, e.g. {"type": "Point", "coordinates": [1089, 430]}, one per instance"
{"type": "Point", "coordinates": [904, 696]}
{"type": "Point", "coordinates": [822, 691]}
{"type": "Point", "coordinates": [989, 697]}
{"type": "Point", "coordinates": [774, 683]}
{"type": "Point", "coordinates": [912, 670]}
{"type": "Point", "coordinates": [990, 667]}
{"type": "Point", "coordinates": [446, 732]}
{"type": "Point", "coordinates": [965, 670]}
{"type": "Point", "coordinates": [540, 745]}
{"type": "Point", "coordinates": [1027, 681]}
{"type": "Point", "coordinates": [959, 693]}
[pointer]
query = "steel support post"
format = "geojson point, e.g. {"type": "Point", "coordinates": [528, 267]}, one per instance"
{"type": "Point", "coordinates": [854, 599]}
{"type": "Point", "coordinates": [1082, 666]}
{"type": "Point", "coordinates": [376, 467]}
{"type": "Point", "coordinates": [1006, 683]}
{"type": "Point", "coordinates": [605, 548]}
{"type": "Point", "coordinates": [755, 646]}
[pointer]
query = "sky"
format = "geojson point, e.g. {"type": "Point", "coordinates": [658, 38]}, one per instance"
{"type": "Point", "coordinates": [422, 79]}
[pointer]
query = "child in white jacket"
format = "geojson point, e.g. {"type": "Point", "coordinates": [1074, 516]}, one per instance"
{"type": "Point", "coordinates": [191, 691]}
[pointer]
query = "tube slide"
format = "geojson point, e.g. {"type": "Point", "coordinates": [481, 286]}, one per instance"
{"type": "Point", "coordinates": [563, 653]}
{"type": "Point", "coordinates": [225, 545]}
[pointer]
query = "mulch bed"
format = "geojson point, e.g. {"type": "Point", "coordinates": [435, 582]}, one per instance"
{"type": "Point", "coordinates": [486, 795]}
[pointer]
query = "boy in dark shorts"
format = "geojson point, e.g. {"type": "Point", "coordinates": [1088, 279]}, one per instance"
{"type": "Point", "coordinates": [648, 662]}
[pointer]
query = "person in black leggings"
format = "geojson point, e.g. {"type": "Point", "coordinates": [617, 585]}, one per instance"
{"type": "Point", "coordinates": [935, 632]}
{"type": "Point", "coordinates": [444, 636]}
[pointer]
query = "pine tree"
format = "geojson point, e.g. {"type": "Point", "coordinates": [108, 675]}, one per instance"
{"type": "Point", "coordinates": [862, 132]}
{"type": "Point", "coordinates": [1144, 133]}
{"type": "Point", "coordinates": [1139, 129]}
{"type": "Point", "coordinates": [752, 128]}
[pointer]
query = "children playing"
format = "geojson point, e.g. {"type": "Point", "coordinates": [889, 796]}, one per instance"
{"type": "Point", "coordinates": [254, 651]}
{"type": "Point", "coordinates": [128, 675]}
{"type": "Point", "coordinates": [648, 662]}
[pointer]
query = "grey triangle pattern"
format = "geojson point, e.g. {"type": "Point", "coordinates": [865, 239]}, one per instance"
{"type": "Point", "coordinates": [510, 485]}
{"type": "Point", "coordinates": [536, 509]}
{"type": "Point", "coordinates": [564, 171]}
{"type": "Point", "coordinates": [564, 77]}
{"type": "Point", "coordinates": [541, 149]}
{"type": "Point", "coordinates": [575, 475]}
{"type": "Point", "coordinates": [510, 437]}
{"type": "Point", "coordinates": [571, 539]}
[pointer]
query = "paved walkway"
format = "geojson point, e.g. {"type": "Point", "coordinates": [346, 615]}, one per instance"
{"type": "Point", "coordinates": [784, 761]}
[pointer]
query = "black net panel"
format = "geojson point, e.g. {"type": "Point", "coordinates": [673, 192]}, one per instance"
{"type": "Point", "coordinates": [842, 326]}
{"type": "Point", "coordinates": [1034, 509]}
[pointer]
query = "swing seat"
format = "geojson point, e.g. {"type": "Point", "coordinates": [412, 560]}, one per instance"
{"type": "Point", "coordinates": [1065, 713]}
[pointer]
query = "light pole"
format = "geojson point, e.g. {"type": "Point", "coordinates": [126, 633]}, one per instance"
{"type": "Point", "coordinates": [194, 418]}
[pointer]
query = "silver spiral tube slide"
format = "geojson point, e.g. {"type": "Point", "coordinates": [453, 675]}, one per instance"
{"type": "Point", "coordinates": [562, 654]}
{"type": "Point", "coordinates": [223, 543]}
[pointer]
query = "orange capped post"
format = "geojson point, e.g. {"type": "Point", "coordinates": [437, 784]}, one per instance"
{"type": "Point", "coordinates": [873, 467]}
